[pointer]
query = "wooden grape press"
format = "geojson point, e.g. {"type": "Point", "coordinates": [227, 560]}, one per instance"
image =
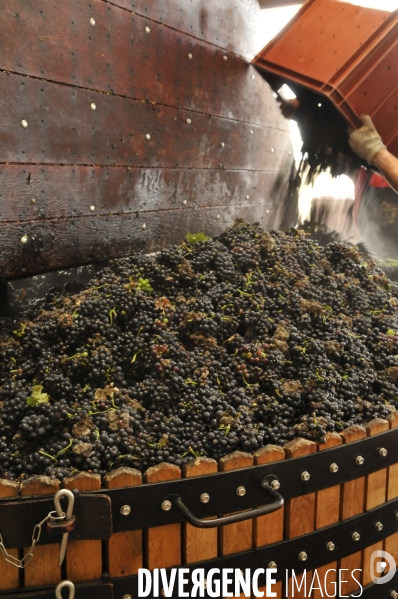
{"type": "Point", "coordinates": [124, 125]}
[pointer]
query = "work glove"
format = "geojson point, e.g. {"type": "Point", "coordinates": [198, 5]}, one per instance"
{"type": "Point", "coordinates": [365, 141]}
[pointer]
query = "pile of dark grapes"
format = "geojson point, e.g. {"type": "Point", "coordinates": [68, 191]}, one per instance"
{"type": "Point", "coordinates": [232, 343]}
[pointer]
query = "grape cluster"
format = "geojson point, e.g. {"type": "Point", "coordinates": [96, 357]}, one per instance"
{"type": "Point", "coordinates": [216, 345]}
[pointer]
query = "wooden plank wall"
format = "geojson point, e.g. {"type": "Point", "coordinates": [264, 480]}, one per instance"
{"type": "Point", "coordinates": [126, 124]}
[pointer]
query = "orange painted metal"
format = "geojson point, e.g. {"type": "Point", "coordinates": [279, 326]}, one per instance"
{"type": "Point", "coordinates": [344, 52]}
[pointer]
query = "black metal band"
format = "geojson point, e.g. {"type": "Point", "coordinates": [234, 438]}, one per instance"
{"type": "Point", "coordinates": [94, 590]}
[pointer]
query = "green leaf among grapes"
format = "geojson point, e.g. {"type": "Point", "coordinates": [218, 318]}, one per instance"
{"type": "Point", "coordinates": [196, 237]}
{"type": "Point", "coordinates": [37, 396]}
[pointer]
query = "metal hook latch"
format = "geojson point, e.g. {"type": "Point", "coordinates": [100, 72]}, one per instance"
{"type": "Point", "coordinates": [65, 522]}
{"type": "Point", "coordinates": [65, 584]}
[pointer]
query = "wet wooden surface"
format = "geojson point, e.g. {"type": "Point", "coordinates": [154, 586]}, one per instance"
{"type": "Point", "coordinates": [132, 110]}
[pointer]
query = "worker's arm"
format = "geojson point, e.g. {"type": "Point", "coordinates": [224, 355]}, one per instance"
{"type": "Point", "coordinates": [367, 143]}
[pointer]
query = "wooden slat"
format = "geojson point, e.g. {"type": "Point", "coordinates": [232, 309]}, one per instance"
{"type": "Point", "coordinates": [124, 548]}
{"type": "Point", "coordinates": [327, 512]}
{"type": "Point", "coordinates": [352, 504]}
{"type": "Point", "coordinates": [199, 543]}
{"type": "Point", "coordinates": [126, 190]}
{"type": "Point", "coordinates": [83, 558]}
{"type": "Point", "coordinates": [269, 529]}
{"type": "Point", "coordinates": [391, 543]}
{"type": "Point", "coordinates": [115, 133]}
{"type": "Point", "coordinates": [55, 244]}
{"type": "Point", "coordinates": [166, 75]}
{"type": "Point", "coordinates": [376, 490]}
{"type": "Point", "coordinates": [299, 512]}
{"type": "Point", "coordinates": [9, 574]}
{"type": "Point", "coordinates": [44, 568]}
{"type": "Point", "coordinates": [163, 543]}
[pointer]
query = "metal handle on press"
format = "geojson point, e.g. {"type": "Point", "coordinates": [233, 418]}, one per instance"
{"type": "Point", "coordinates": [65, 584]}
{"type": "Point", "coordinates": [278, 502]}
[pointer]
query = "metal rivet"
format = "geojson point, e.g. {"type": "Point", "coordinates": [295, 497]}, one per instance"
{"type": "Point", "coordinates": [267, 211]}
{"type": "Point", "coordinates": [93, 106]}
{"type": "Point", "coordinates": [166, 505]}
{"type": "Point", "coordinates": [330, 546]}
{"type": "Point", "coordinates": [24, 123]}
{"type": "Point", "coordinates": [225, 57]}
{"type": "Point", "coordinates": [394, 595]}
{"type": "Point", "coordinates": [359, 460]}
{"type": "Point", "coordinates": [252, 76]}
{"type": "Point", "coordinates": [92, 21]}
{"type": "Point", "coordinates": [33, 201]}
{"type": "Point", "coordinates": [92, 208]}
{"type": "Point", "coordinates": [24, 239]}
{"type": "Point", "coordinates": [189, 121]}
{"type": "Point", "coordinates": [333, 467]}
{"type": "Point", "coordinates": [205, 498]}
{"type": "Point", "coordinates": [275, 485]}
{"type": "Point", "coordinates": [222, 144]}
{"type": "Point", "coordinates": [247, 197]}
{"type": "Point", "coordinates": [143, 226]}
{"type": "Point", "coordinates": [251, 131]}
{"type": "Point", "coordinates": [184, 202]}
{"type": "Point", "coordinates": [272, 150]}
{"type": "Point", "coordinates": [190, 56]}
{"type": "Point", "coordinates": [305, 476]}
{"type": "Point", "coordinates": [125, 510]}
{"type": "Point", "coordinates": [303, 556]}
{"type": "Point", "coordinates": [379, 526]}
{"type": "Point", "coordinates": [147, 29]}
{"type": "Point", "coordinates": [383, 452]}
{"type": "Point", "coordinates": [272, 565]}
{"type": "Point", "coordinates": [218, 216]}
{"type": "Point", "coordinates": [355, 536]}
{"type": "Point", "coordinates": [147, 136]}
{"type": "Point", "coordinates": [126, 597]}
{"type": "Point", "coordinates": [241, 491]}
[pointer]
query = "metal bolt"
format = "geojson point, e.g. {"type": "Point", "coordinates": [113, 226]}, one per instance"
{"type": "Point", "coordinates": [24, 239]}
{"type": "Point", "coordinates": [252, 76]}
{"type": "Point", "coordinates": [184, 202]}
{"type": "Point", "coordinates": [275, 484]}
{"type": "Point", "coordinates": [92, 208]}
{"type": "Point", "coordinates": [379, 526]}
{"type": "Point", "coordinates": [93, 106]}
{"type": "Point", "coordinates": [190, 56]}
{"type": "Point", "coordinates": [125, 510]}
{"type": "Point", "coordinates": [272, 565]}
{"type": "Point", "coordinates": [33, 201]}
{"type": "Point", "coordinates": [247, 197]}
{"type": "Point", "coordinates": [147, 136]}
{"type": "Point", "coordinates": [222, 144]}
{"type": "Point", "coordinates": [272, 150]}
{"type": "Point", "coordinates": [303, 556]}
{"type": "Point", "coordinates": [359, 460]}
{"type": "Point", "coordinates": [225, 57]}
{"type": "Point", "coordinates": [143, 226]}
{"type": "Point", "coordinates": [383, 452]}
{"type": "Point", "coordinates": [24, 123]}
{"type": "Point", "coordinates": [251, 131]}
{"type": "Point", "coordinates": [334, 468]}
{"type": "Point", "coordinates": [241, 491]}
{"type": "Point", "coordinates": [147, 29]}
{"type": "Point", "coordinates": [355, 536]}
{"type": "Point", "coordinates": [92, 21]}
{"type": "Point", "coordinates": [330, 546]}
{"type": "Point", "coordinates": [305, 476]}
{"type": "Point", "coordinates": [189, 121]}
{"type": "Point", "coordinates": [394, 595]}
{"type": "Point", "coordinates": [126, 597]}
{"type": "Point", "coordinates": [166, 505]}
{"type": "Point", "coordinates": [205, 498]}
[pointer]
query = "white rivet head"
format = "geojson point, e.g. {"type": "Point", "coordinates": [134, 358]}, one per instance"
{"type": "Point", "coordinates": [272, 565]}
{"type": "Point", "coordinates": [33, 201]}
{"type": "Point", "coordinates": [184, 202]}
{"type": "Point", "coordinates": [252, 76]}
{"type": "Point", "coordinates": [125, 510]}
{"type": "Point", "coordinates": [305, 476]}
{"type": "Point", "coordinates": [394, 595]}
{"type": "Point", "coordinates": [143, 226]}
{"type": "Point", "coordinates": [379, 526]}
{"type": "Point", "coordinates": [225, 57]}
{"type": "Point", "coordinates": [355, 536]}
{"type": "Point", "coordinates": [251, 131]}
{"type": "Point", "coordinates": [166, 505]}
{"type": "Point", "coordinates": [24, 123]}
{"type": "Point", "coordinates": [189, 121]}
{"type": "Point", "coordinates": [247, 197]}
{"type": "Point", "coordinates": [92, 208]}
{"type": "Point", "coordinates": [147, 136]}
{"type": "Point", "coordinates": [147, 29]}
{"type": "Point", "coordinates": [126, 597]}
{"type": "Point", "coordinates": [190, 56]}
{"type": "Point", "coordinates": [218, 216]}
{"type": "Point", "coordinates": [303, 556]}
{"type": "Point", "coordinates": [92, 21]}
{"type": "Point", "coordinates": [241, 491]}
{"type": "Point", "coordinates": [275, 484]}
{"type": "Point", "coordinates": [267, 211]}
{"type": "Point", "coordinates": [24, 239]}
{"type": "Point", "coordinates": [334, 468]}
{"type": "Point", "coordinates": [359, 460]}
{"type": "Point", "coordinates": [93, 106]}
{"type": "Point", "coordinates": [222, 144]}
{"type": "Point", "coordinates": [383, 452]}
{"type": "Point", "coordinates": [205, 498]}
{"type": "Point", "coordinates": [330, 546]}
{"type": "Point", "coordinates": [272, 150]}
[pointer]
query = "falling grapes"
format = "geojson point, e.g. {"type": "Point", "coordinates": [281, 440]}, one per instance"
{"type": "Point", "coordinates": [202, 349]}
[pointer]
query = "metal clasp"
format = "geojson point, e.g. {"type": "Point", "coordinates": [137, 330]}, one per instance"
{"type": "Point", "coordinates": [65, 584]}
{"type": "Point", "coordinates": [65, 521]}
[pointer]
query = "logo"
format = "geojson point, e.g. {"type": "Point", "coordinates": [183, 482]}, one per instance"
{"type": "Point", "coordinates": [376, 569]}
